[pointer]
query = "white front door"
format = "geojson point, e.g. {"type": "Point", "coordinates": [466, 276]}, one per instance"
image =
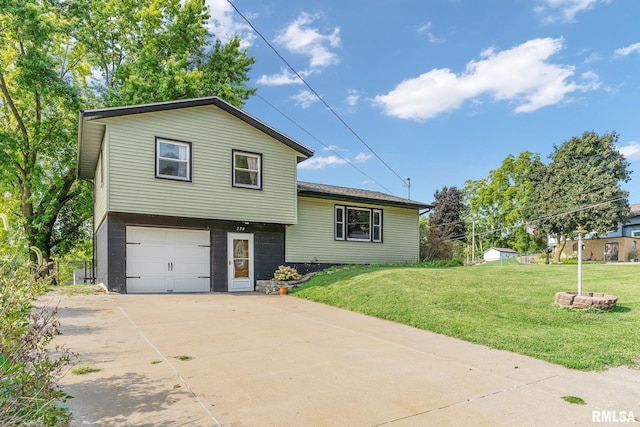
{"type": "Point", "coordinates": [240, 262]}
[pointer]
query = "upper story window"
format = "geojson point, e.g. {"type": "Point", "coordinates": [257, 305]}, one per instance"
{"type": "Point", "coordinates": [173, 159]}
{"type": "Point", "coordinates": [358, 224]}
{"type": "Point", "coordinates": [247, 170]}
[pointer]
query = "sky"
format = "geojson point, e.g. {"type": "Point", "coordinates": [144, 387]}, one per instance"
{"type": "Point", "coordinates": [438, 91]}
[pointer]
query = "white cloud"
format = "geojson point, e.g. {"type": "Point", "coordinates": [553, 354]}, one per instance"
{"type": "Point", "coordinates": [624, 51]}
{"type": "Point", "coordinates": [353, 96]}
{"type": "Point", "coordinates": [304, 98]}
{"type": "Point", "coordinates": [362, 157]}
{"type": "Point", "coordinates": [426, 29]}
{"type": "Point", "coordinates": [301, 39]}
{"type": "Point", "coordinates": [285, 77]}
{"type": "Point", "coordinates": [330, 148]}
{"type": "Point", "coordinates": [225, 24]}
{"type": "Point", "coordinates": [521, 75]}
{"type": "Point", "coordinates": [315, 163]}
{"type": "Point", "coordinates": [567, 9]}
{"type": "Point", "coordinates": [631, 151]}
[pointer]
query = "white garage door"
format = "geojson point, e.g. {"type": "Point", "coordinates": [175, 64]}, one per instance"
{"type": "Point", "coordinates": [168, 260]}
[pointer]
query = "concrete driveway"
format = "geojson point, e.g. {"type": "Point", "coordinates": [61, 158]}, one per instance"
{"type": "Point", "coordinates": [270, 360]}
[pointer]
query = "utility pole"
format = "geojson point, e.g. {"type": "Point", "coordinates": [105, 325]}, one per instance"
{"type": "Point", "coordinates": [409, 187]}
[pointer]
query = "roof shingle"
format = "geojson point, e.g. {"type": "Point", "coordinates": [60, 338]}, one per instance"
{"type": "Point", "coordinates": [355, 194]}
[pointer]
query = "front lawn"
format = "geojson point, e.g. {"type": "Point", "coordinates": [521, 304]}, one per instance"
{"type": "Point", "coordinates": [508, 307]}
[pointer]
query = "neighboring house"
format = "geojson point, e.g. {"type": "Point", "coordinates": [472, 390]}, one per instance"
{"type": "Point", "coordinates": [198, 196]}
{"type": "Point", "coordinates": [620, 245]}
{"type": "Point", "coordinates": [494, 254]}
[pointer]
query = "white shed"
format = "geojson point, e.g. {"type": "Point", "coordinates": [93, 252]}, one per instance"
{"type": "Point", "coordinates": [494, 254]}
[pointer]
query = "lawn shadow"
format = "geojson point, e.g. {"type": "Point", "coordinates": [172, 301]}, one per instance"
{"type": "Point", "coordinates": [621, 309]}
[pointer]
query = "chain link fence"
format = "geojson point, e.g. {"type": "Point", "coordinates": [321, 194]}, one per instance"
{"type": "Point", "coordinates": [74, 272]}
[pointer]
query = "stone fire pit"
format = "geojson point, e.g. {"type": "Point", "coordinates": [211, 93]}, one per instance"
{"type": "Point", "coordinates": [586, 300]}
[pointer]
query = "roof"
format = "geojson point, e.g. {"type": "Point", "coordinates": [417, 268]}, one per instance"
{"type": "Point", "coordinates": [507, 250]}
{"type": "Point", "coordinates": [323, 191]}
{"type": "Point", "coordinates": [91, 131]}
{"type": "Point", "coordinates": [635, 209]}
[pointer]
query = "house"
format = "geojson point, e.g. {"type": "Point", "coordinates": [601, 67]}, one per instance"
{"type": "Point", "coordinates": [622, 244]}
{"type": "Point", "coordinates": [494, 254]}
{"type": "Point", "coordinates": [198, 196]}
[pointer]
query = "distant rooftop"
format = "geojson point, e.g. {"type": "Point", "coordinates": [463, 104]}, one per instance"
{"type": "Point", "coordinates": [357, 195]}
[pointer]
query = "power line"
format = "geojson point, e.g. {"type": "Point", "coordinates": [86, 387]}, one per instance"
{"type": "Point", "coordinates": [317, 95]}
{"type": "Point", "coordinates": [328, 147]}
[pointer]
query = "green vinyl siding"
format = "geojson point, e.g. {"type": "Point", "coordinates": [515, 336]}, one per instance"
{"type": "Point", "coordinates": [100, 183]}
{"type": "Point", "coordinates": [312, 239]}
{"type": "Point", "coordinates": [213, 135]}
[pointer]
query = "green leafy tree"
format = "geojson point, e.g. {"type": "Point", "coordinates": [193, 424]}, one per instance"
{"type": "Point", "coordinates": [496, 203]}
{"type": "Point", "coordinates": [40, 84]}
{"type": "Point", "coordinates": [580, 187]}
{"type": "Point", "coordinates": [158, 50]}
{"type": "Point", "coordinates": [59, 56]}
{"type": "Point", "coordinates": [445, 232]}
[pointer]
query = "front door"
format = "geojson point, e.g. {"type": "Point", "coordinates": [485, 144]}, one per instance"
{"type": "Point", "coordinates": [240, 262]}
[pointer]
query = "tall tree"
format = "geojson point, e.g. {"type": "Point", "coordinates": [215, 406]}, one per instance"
{"type": "Point", "coordinates": [58, 56]}
{"type": "Point", "coordinates": [40, 84]}
{"type": "Point", "coordinates": [446, 227]}
{"type": "Point", "coordinates": [580, 188]}
{"type": "Point", "coordinates": [496, 203]}
{"type": "Point", "coordinates": [159, 50]}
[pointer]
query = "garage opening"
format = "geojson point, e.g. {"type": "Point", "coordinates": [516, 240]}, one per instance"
{"type": "Point", "coordinates": [167, 260]}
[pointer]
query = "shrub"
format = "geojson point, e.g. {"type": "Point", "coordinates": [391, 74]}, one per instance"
{"type": "Point", "coordinates": [285, 274]}
{"type": "Point", "coordinates": [28, 370]}
{"type": "Point", "coordinates": [440, 263]}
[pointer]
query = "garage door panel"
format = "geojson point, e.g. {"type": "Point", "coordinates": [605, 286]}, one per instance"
{"type": "Point", "coordinates": [147, 234]}
{"type": "Point", "coordinates": [191, 268]}
{"type": "Point", "coordinates": [148, 284]}
{"type": "Point", "coordinates": [190, 284]}
{"type": "Point", "coordinates": [190, 237]}
{"type": "Point", "coordinates": [147, 268]}
{"type": "Point", "coordinates": [167, 260]}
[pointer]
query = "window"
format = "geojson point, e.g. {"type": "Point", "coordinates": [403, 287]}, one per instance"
{"type": "Point", "coordinates": [173, 159]}
{"type": "Point", "coordinates": [358, 224]}
{"type": "Point", "coordinates": [376, 225]}
{"type": "Point", "coordinates": [247, 171]}
{"type": "Point", "coordinates": [339, 223]}
{"type": "Point", "coordinates": [635, 233]}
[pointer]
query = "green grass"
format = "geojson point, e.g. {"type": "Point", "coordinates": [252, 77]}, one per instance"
{"type": "Point", "coordinates": [508, 307]}
{"type": "Point", "coordinates": [77, 289]}
{"type": "Point", "coordinates": [84, 369]}
{"type": "Point", "coordinates": [183, 358]}
{"type": "Point", "coordinates": [574, 400]}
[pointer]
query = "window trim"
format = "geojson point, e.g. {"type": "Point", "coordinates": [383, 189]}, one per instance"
{"type": "Point", "coordinates": [339, 226]}
{"type": "Point", "coordinates": [189, 161]}
{"type": "Point", "coordinates": [258, 186]}
{"type": "Point", "coordinates": [374, 225]}
{"type": "Point", "coordinates": [343, 229]}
